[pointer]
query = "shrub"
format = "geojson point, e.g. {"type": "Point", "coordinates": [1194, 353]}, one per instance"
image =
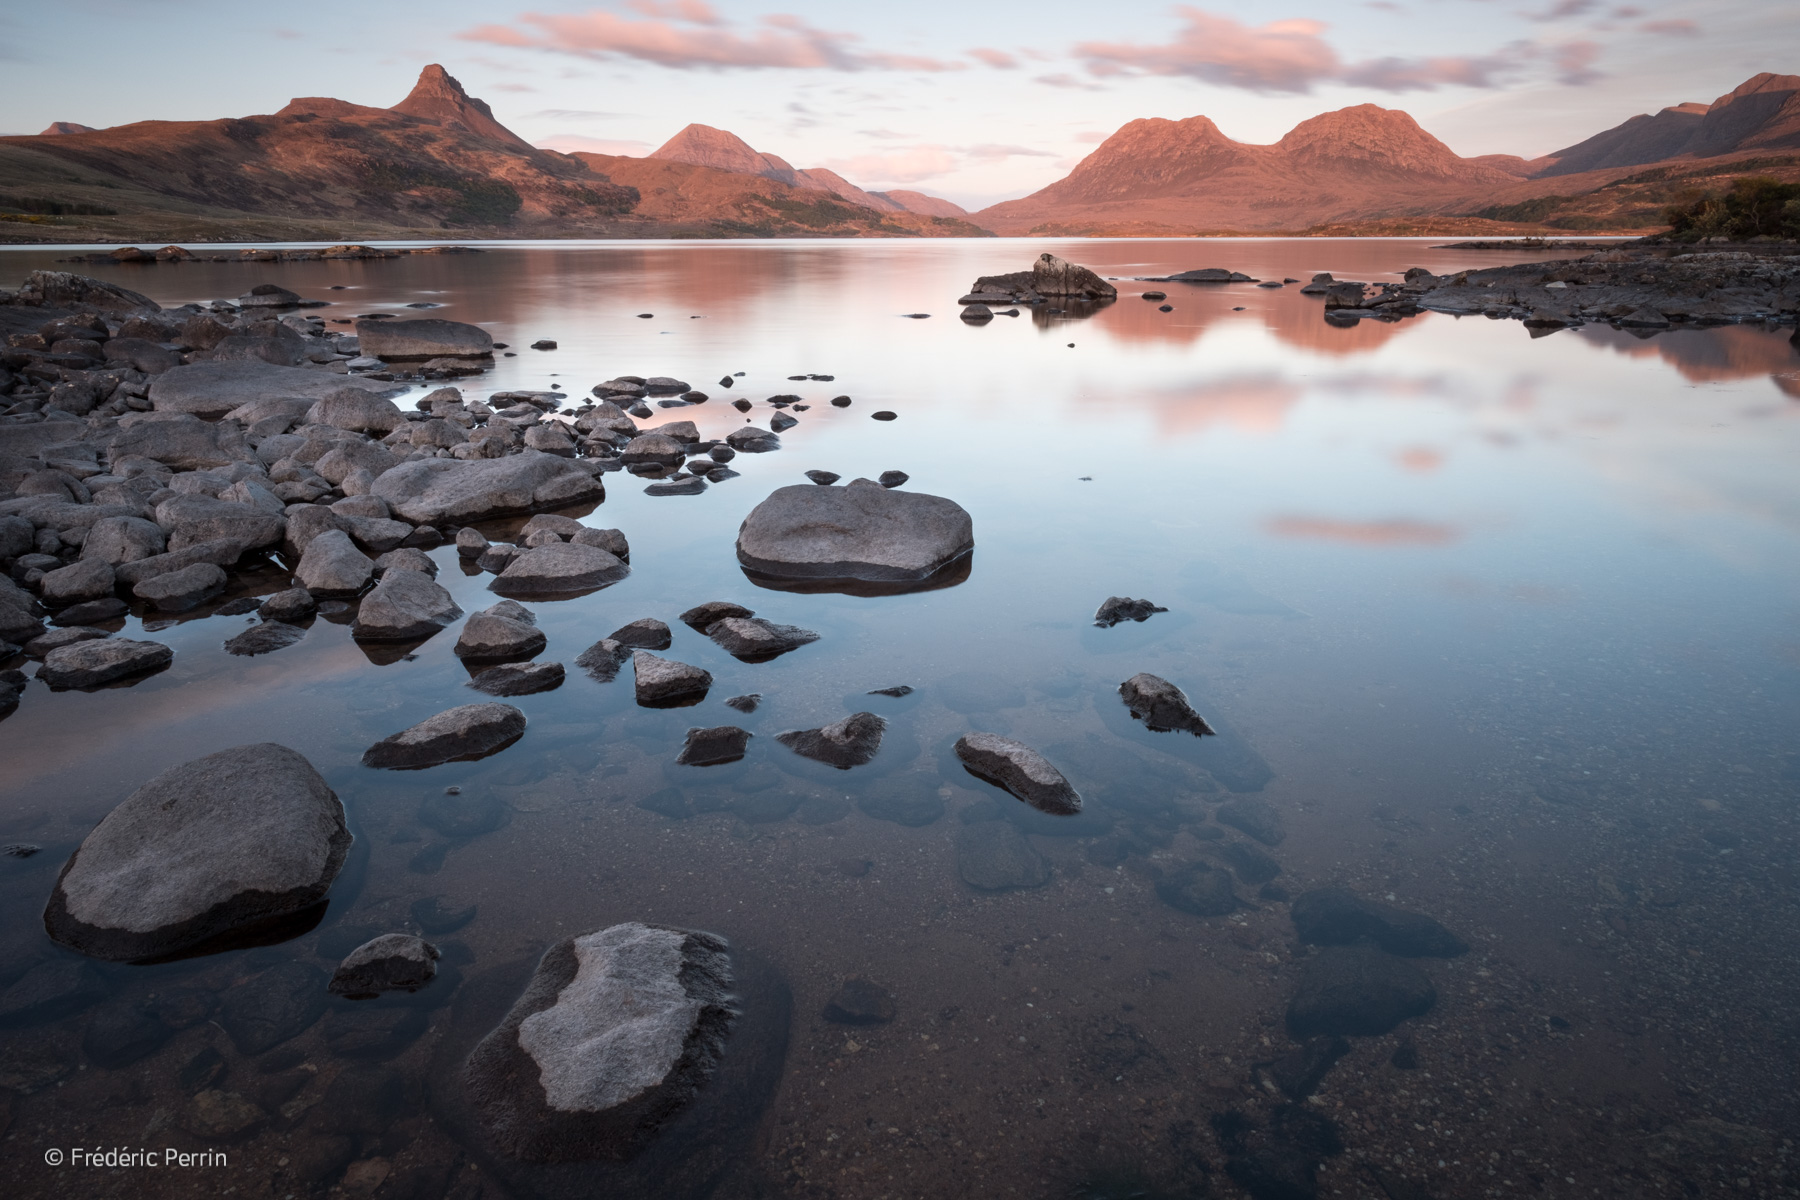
{"type": "Point", "coordinates": [1754, 206]}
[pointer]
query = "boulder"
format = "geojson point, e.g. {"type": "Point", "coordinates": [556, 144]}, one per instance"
{"type": "Point", "coordinates": [220, 552]}
{"type": "Point", "coordinates": [80, 293]}
{"type": "Point", "coordinates": [994, 856]}
{"type": "Point", "coordinates": [393, 962]}
{"type": "Point", "coordinates": [222, 845]}
{"type": "Point", "coordinates": [178, 591]}
{"type": "Point", "coordinates": [752, 440]}
{"type": "Point", "coordinates": [1357, 991]}
{"type": "Point", "coordinates": [1053, 276]}
{"type": "Point", "coordinates": [860, 532]}
{"type": "Point", "coordinates": [447, 491]}
{"type": "Point", "coordinates": [357, 409]}
{"type": "Point", "coordinates": [191, 520]}
{"type": "Point", "coordinates": [664, 682]}
{"type": "Point", "coordinates": [615, 1034]}
{"type": "Point", "coordinates": [116, 540]}
{"type": "Point", "coordinates": [518, 679]}
{"type": "Point", "coordinates": [848, 743]}
{"type": "Point", "coordinates": [90, 664]}
{"type": "Point", "coordinates": [399, 341]}
{"type": "Point", "coordinates": [645, 633]}
{"type": "Point", "coordinates": [702, 617]}
{"type": "Point", "coordinates": [1200, 889]}
{"type": "Point", "coordinates": [212, 389]}
{"type": "Point", "coordinates": [141, 354]}
{"type": "Point", "coordinates": [467, 731]}
{"type": "Point", "coordinates": [347, 457]}
{"type": "Point", "coordinates": [293, 604]}
{"type": "Point", "coordinates": [1161, 706]}
{"type": "Point", "coordinates": [265, 637]}
{"type": "Point", "coordinates": [333, 566]}
{"type": "Point", "coordinates": [180, 440]}
{"type": "Point", "coordinates": [753, 639]}
{"type": "Point", "coordinates": [709, 747]}
{"type": "Point", "coordinates": [1335, 916]}
{"type": "Point", "coordinates": [87, 579]}
{"type": "Point", "coordinates": [1020, 770]}
{"type": "Point", "coordinates": [507, 630]}
{"type": "Point", "coordinates": [653, 448]}
{"type": "Point", "coordinates": [1256, 817]}
{"type": "Point", "coordinates": [558, 569]}
{"type": "Point", "coordinates": [1124, 608]}
{"type": "Point", "coordinates": [405, 606]}
{"type": "Point", "coordinates": [603, 659]}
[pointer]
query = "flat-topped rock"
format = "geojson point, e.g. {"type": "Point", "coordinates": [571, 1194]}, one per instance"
{"type": "Point", "coordinates": [431, 337]}
{"type": "Point", "coordinates": [518, 679]}
{"type": "Point", "coordinates": [393, 962]}
{"type": "Point", "coordinates": [1020, 770]}
{"type": "Point", "coordinates": [449, 491]}
{"type": "Point", "coordinates": [212, 389]}
{"type": "Point", "coordinates": [91, 664]}
{"type": "Point", "coordinates": [467, 731]}
{"type": "Point", "coordinates": [710, 747]}
{"type": "Point", "coordinates": [851, 742]}
{"type": "Point", "coordinates": [859, 532]}
{"type": "Point", "coordinates": [220, 845]}
{"type": "Point", "coordinates": [557, 569]}
{"type": "Point", "coordinates": [753, 639]}
{"type": "Point", "coordinates": [405, 606]}
{"type": "Point", "coordinates": [506, 630]}
{"type": "Point", "coordinates": [179, 591]}
{"type": "Point", "coordinates": [663, 681]}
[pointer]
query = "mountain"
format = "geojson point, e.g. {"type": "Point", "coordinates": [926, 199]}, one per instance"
{"type": "Point", "coordinates": [440, 100]}
{"type": "Point", "coordinates": [60, 127]}
{"type": "Point", "coordinates": [1761, 114]}
{"type": "Point", "coordinates": [1158, 175]}
{"type": "Point", "coordinates": [919, 202]}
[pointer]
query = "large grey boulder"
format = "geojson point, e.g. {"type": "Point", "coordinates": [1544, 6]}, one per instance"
{"type": "Point", "coordinates": [1161, 706]}
{"type": "Point", "coordinates": [507, 630]}
{"type": "Point", "coordinates": [212, 389]}
{"type": "Point", "coordinates": [221, 845]}
{"type": "Point", "coordinates": [449, 491]}
{"type": "Point", "coordinates": [1020, 770]}
{"type": "Point", "coordinates": [614, 1035]}
{"type": "Point", "coordinates": [90, 664]}
{"type": "Point", "coordinates": [860, 532]}
{"type": "Point", "coordinates": [396, 341]}
{"type": "Point", "coordinates": [393, 962]}
{"type": "Point", "coordinates": [82, 293]}
{"type": "Point", "coordinates": [351, 455]}
{"type": "Point", "coordinates": [116, 540]}
{"type": "Point", "coordinates": [178, 591]}
{"type": "Point", "coordinates": [664, 682]}
{"type": "Point", "coordinates": [405, 606]}
{"type": "Point", "coordinates": [191, 520]}
{"type": "Point", "coordinates": [180, 440]}
{"type": "Point", "coordinates": [333, 566]}
{"type": "Point", "coordinates": [558, 569]}
{"type": "Point", "coordinates": [220, 552]}
{"type": "Point", "coordinates": [1053, 276]}
{"type": "Point", "coordinates": [467, 731]}
{"type": "Point", "coordinates": [653, 448]}
{"type": "Point", "coordinates": [87, 579]}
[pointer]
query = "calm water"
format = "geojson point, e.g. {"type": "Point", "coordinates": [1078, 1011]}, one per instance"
{"type": "Point", "coordinates": [1506, 629]}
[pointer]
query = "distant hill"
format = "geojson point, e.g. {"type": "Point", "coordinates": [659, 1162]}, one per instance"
{"type": "Point", "coordinates": [1761, 114]}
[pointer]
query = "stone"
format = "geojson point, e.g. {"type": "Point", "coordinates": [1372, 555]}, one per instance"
{"type": "Point", "coordinates": [506, 630]}
{"type": "Point", "coordinates": [860, 532]}
{"type": "Point", "coordinates": [860, 1002]}
{"type": "Point", "coordinates": [751, 440]}
{"type": "Point", "coordinates": [272, 1006]}
{"type": "Point", "coordinates": [752, 639]}
{"type": "Point", "coordinates": [1254, 816]}
{"type": "Point", "coordinates": [221, 1116]}
{"type": "Point", "coordinates": [703, 617]}
{"type": "Point", "coordinates": [50, 991]}
{"type": "Point", "coordinates": [677, 485]}
{"type": "Point", "coordinates": [116, 540]}
{"type": "Point", "coordinates": [179, 591]}
{"type": "Point", "coordinates": [1200, 889]}
{"type": "Point", "coordinates": [559, 569]}
{"type": "Point", "coordinates": [221, 845]}
{"type": "Point", "coordinates": [90, 612]}
{"type": "Point", "coordinates": [994, 856]}
{"type": "Point", "coordinates": [352, 465]}
{"type": "Point", "coordinates": [746, 703]}
{"type": "Point", "coordinates": [265, 637]}
{"type": "Point", "coordinates": [401, 341]}
{"type": "Point", "coordinates": [403, 607]}
{"type": "Point", "coordinates": [824, 478]}
{"type": "Point", "coordinates": [393, 962]}
{"type": "Point", "coordinates": [407, 559]}
{"type": "Point", "coordinates": [603, 659]}
{"type": "Point", "coordinates": [291, 604]}
{"type": "Point", "coordinates": [436, 920]}
{"type": "Point", "coordinates": [1123, 608]}
{"type": "Point", "coordinates": [43, 644]}
{"type": "Point", "coordinates": [87, 579]}
{"type": "Point", "coordinates": [1335, 916]}
{"type": "Point", "coordinates": [646, 633]}
{"type": "Point", "coordinates": [892, 479]}
{"type": "Point", "coordinates": [221, 552]}
{"type": "Point", "coordinates": [1299, 1072]}
{"type": "Point", "coordinates": [708, 747]}
{"type": "Point", "coordinates": [664, 682]}
{"type": "Point", "coordinates": [470, 543]}
{"type": "Point", "coordinates": [518, 679]}
{"type": "Point", "coordinates": [851, 742]}
{"type": "Point", "coordinates": [91, 664]}
{"type": "Point", "coordinates": [357, 409]}
{"type": "Point", "coordinates": [120, 1034]}
{"type": "Point", "coordinates": [448, 491]}
{"type": "Point", "coordinates": [467, 731]}
{"type": "Point", "coordinates": [615, 1034]}
{"type": "Point", "coordinates": [1053, 276]}
{"type": "Point", "coordinates": [653, 448]}
{"type": "Point", "coordinates": [1357, 991]}
{"type": "Point", "coordinates": [1161, 706]}
{"type": "Point", "coordinates": [333, 566]}
{"type": "Point", "coordinates": [782, 422]}
{"type": "Point", "coordinates": [268, 295]}
{"type": "Point", "coordinates": [193, 520]}
{"type": "Point", "coordinates": [1249, 863]}
{"type": "Point", "coordinates": [609, 540]}
{"type": "Point", "coordinates": [212, 389]}
{"type": "Point", "coordinates": [1019, 769]}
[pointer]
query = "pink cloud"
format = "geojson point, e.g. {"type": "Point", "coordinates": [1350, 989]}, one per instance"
{"type": "Point", "coordinates": [1574, 62]}
{"type": "Point", "coordinates": [1282, 56]}
{"type": "Point", "coordinates": [689, 35]}
{"type": "Point", "coordinates": [1564, 9]}
{"type": "Point", "coordinates": [905, 166]}
{"type": "Point", "coordinates": [1671, 28]}
{"type": "Point", "coordinates": [998, 59]}
{"type": "Point", "coordinates": [569, 143]}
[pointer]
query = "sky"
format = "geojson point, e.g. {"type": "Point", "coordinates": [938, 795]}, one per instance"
{"type": "Point", "coordinates": [975, 102]}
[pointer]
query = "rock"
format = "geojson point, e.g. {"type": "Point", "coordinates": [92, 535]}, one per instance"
{"type": "Point", "coordinates": [333, 566]}
{"type": "Point", "coordinates": [195, 520]}
{"type": "Point", "coordinates": [65, 290]}
{"type": "Point", "coordinates": [1053, 276]}
{"type": "Point", "coordinates": [213, 389]}
{"type": "Point", "coordinates": [292, 604]}
{"type": "Point", "coordinates": [609, 540]}
{"type": "Point", "coordinates": [653, 448]}
{"type": "Point", "coordinates": [1019, 769]}
{"type": "Point", "coordinates": [1123, 608]}
{"type": "Point", "coordinates": [615, 1034]}
{"type": "Point", "coordinates": [220, 1116]}
{"type": "Point", "coordinates": [221, 552]}
{"type": "Point", "coordinates": [120, 1034]}
{"type": "Point", "coordinates": [558, 570]}
{"type": "Point", "coordinates": [268, 295]}
{"type": "Point", "coordinates": [884, 415]}
{"type": "Point", "coordinates": [752, 440]}
{"type": "Point", "coordinates": [746, 703]}
{"type": "Point", "coordinates": [1250, 864]}
{"type": "Point", "coordinates": [1644, 317]}
{"type": "Point", "coordinates": [405, 606]}
{"type": "Point", "coordinates": [892, 479]}
{"type": "Point", "coordinates": [518, 679]}
{"type": "Point", "coordinates": [470, 543]}
{"type": "Point", "coordinates": [1357, 991]}
{"type": "Point", "coordinates": [1299, 1072]}
{"type": "Point", "coordinates": [467, 731]}
{"type": "Point", "coordinates": [90, 664]}
{"type": "Point", "coordinates": [994, 856]}
{"type": "Point", "coordinates": [43, 644]}
{"type": "Point", "coordinates": [861, 532]}
{"type": "Point", "coordinates": [663, 682]}
{"type": "Point", "coordinates": [646, 633]}
{"type": "Point", "coordinates": [860, 1002]}
{"type": "Point", "coordinates": [221, 845]}
{"type": "Point", "coordinates": [1161, 706]}
{"type": "Point", "coordinates": [1199, 889]}
{"type": "Point", "coordinates": [851, 742]}
{"type": "Point", "coordinates": [507, 630]}
{"type": "Point", "coordinates": [273, 1006]}
{"type": "Point", "coordinates": [116, 540]}
{"type": "Point", "coordinates": [437, 920]}
{"type": "Point", "coordinates": [782, 422]}
{"type": "Point", "coordinates": [357, 409]}
{"type": "Point", "coordinates": [178, 591]}
{"type": "Point", "coordinates": [603, 659]}
{"type": "Point", "coordinates": [264, 638]}
{"type": "Point", "coordinates": [401, 341]}
{"type": "Point", "coordinates": [824, 478]}
{"type": "Point", "coordinates": [90, 612]}
{"type": "Point", "coordinates": [1255, 817]}
{"type": "Point", "coordinates": [707, 747]}
{"type": "Point", "coordinates": [87, 579]}
{"type": "Point", "coordinates": [448, 491]}
{"type": "Point", "coordinates": [407, 559]}
{"type": "Point", "coordinates": [352, 465]}
{"type": "Point", "coordinates": [393, 962]}
{"type": "Point", "coordinates": [678, 485]}
{"type": "Point", "coordinates": [50, 991]}
{"type": "Point", "coordinates": [753, 639]}
{"type": "Point", "coordinates": [977, 314]}
{"type": "Point", "coordinates": [703, 617]}
{"type": "Point", "coordinates": [1335, 916]}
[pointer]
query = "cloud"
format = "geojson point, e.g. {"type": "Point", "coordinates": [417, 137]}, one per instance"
{"type": "Point", "coordinates": [1563, 10]}
{"type": "Point", "coordinates": [1282, 56]}
{"type": "Point", "coordinates": [687, 35]}
{"type": "Point", "coordinates": [998, 59]}
{"type": "Point", "coordinates": [1091, 137]}
{"type": "Point", "coordinates": [991, 152]}
{"type": "Point", "coordinates": [576, 114]}
{"type": "Point", "coordinates": [905, 166]}
{"type": "Point", "coordinates": [1671, 28]}
{"type": "Point", "coordinates": [1574, 63]}
{"type": "Point", "coordinates": [513, 87]}
{"type": "Point", "coordinates": [1063, 79]}
{"type": "Point", "coordinates": [570, 143]}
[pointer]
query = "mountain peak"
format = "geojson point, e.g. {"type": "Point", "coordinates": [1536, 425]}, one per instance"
{"type": "Point", "coordinates": [1375, 137]}
{"type": "Point", "coordinates": [58, 128]}
{"type": "Point", "coordinates": [439, 98]}
{"type": "Point", "coordinates": [722, 150]}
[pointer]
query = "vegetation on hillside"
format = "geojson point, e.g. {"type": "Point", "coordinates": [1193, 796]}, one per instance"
{"type": "Point", "coordinates": [1755, 206]}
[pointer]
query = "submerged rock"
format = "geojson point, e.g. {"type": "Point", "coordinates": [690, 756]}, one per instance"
{"type": "Point", "coordinates": [851, 742]}
{"type": "Point", "coordinates": [1335, 916]}
{"type": "Point", "coordinates": [708, 747]}
{"type": "Point", "coordinates": [703, 617]}
{"type": "Point", "coordinates": [860, 1002]}
{"type": "Point", "coordinates": [1123, 608]}
{"type": "Point", "coordinates": [518, 679]}
{"type": "Point", "coordinates": [862, 531]}
{"type": "Point", "coordinates": [615, 1034]}
{"type": "Point", "coordinates": [1161, 706]}
{"type": "Point", "coordinates": [1358, 991]}
{"type": "Point", "coordinates": [265, 637]}
{"type": "Point", "coordinates": [665, 682]}
{"type": "Point", "coordinates": [223, 844]}
{"type": "Point", "coordinates": [1200, 889]}
{"type": "Point", "coordinates": [393, 962]}
{"type": "Point", "coordinates": [1020, 770]}
{"type": "Point", "coordinates": [1254, 816]}
{"type": "Point", "coordinates": [603, 659]}
{"type": "Point", "coordinates": [467, 731]}
{"type": "Point", "coordinates": [753, 639]}
{"type": "Point", "coordinates": [994, 856]}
